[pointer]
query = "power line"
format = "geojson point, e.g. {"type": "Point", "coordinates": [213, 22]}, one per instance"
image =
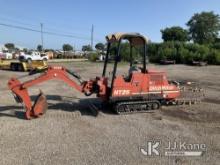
{"type": "Point", "coordinates": [44, 32]}
{"type": "Point", "coordinates": [18, 22]}
{"type": "Point", "coordinates": [92, 31]}
{"type": "Point", "coordinates": [54, 23]}
{"type": "Point", "coordinates": [65, 31]}
{"type": "Point", "coordinates": [55, 30]}
{"type": "Point", "coordinates": [66, 35]}
{"type": "Point", "coordinates": [9, 20]}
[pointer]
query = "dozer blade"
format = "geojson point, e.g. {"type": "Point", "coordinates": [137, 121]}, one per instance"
{"type": "Point", "coordinates": [40, 105]}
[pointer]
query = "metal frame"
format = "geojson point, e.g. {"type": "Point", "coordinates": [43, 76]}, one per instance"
{"type": "Point", "coordinates": [117, 57]}
{"type": "Point", "coordinates": [21, 89]}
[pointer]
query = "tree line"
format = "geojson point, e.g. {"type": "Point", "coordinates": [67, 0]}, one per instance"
{"type": "Point", "coordinates": [199, 42]}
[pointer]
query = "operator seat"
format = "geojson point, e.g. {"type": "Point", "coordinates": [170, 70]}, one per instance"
{"type": "Point", "coordinates": [132, 70]}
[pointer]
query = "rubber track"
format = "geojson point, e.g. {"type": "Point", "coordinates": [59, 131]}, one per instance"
{"type": "Point", "coordinates": [131, 107]}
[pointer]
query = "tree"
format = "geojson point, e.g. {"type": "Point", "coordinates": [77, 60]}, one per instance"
{"type": "Point", "coordinates": [167, 51]}
{"type": "Point", "coordinates": [10, 46]}
{"type": "Point", "coordinates": [174, 33]}
{"type": "Point", "coordinates": [152, 51]}
{"type": "Point", "coordinates": [125, 51]}
{"type": "Point", "coordinates": [39, 48]}
{"type": "Point", "coordinates": [16, 49]}
{"type": "Point", "coordinates": [216, 45]}
{"type": "Point", "coordinates": [100, 46]}
{"type": "Point", "coordinates": [93, 56]}
{"type": "Point", "coordinates": [49, 50]}
{"type": "Point", "coordinates": [214, 57]}
{"type": "Point", "coordinates": [25, 50]}
{"type": "Point", "coordinates": [217, 40]}
{"type": "Point", "coordinates": [86, 48]}
{"type": "Point", "coordinates": [204, 27]}
{"type": "Point", "coordinates": [67, 47]}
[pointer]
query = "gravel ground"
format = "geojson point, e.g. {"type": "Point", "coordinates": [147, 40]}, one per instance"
{"type": "Point", "coordinates": [70, 134]}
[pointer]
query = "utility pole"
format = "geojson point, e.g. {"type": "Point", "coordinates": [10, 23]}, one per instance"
{"type": "Point", "coordinates": [42, 39]}
{"type": "Point", "coordinates": [92, 33]}
{"type": "Point", "coordinates": [74, 48]}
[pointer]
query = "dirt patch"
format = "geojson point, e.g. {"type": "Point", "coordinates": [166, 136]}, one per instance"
{"type": "Point", "coordinates": [182, 114]}
{"type": "Point", "coordinates": [212, 100]}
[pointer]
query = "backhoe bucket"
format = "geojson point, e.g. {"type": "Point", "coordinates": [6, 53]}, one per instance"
{"type": "Point", "coordinates": [40, 105]}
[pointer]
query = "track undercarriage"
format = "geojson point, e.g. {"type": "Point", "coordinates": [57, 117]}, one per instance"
{"type": "Point", "coordinates": [130, 107]}
{"type": "Point", "coordinates": [190, 93]}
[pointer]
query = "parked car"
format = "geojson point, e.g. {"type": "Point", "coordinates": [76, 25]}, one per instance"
{"type": "Point", "coordinates": [6, 55]}
{"type": "Point", "coordinates": [31, 56]}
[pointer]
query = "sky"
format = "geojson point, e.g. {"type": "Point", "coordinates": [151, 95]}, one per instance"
{"type": "Point", "coordinates": [76, 17]}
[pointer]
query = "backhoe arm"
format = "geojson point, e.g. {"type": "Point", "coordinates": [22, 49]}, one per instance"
{"type": "Point", "coordinates": [40, 105]}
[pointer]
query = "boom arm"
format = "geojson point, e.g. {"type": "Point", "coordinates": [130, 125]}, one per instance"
{"type": "Point", "coordinates": [38, 108]}
{"type": "Point", "coordinates": [53, 73]}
